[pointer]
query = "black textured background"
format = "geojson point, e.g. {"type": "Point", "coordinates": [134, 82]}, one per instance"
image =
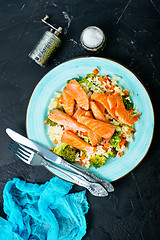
{"type": "Point", "coordinates": [132, 29]}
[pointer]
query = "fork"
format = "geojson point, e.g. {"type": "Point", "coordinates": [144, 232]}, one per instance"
{"type": "Point", "coordinates": [36, 159]}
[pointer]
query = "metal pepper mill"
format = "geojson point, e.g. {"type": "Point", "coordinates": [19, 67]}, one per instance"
{"type": "Point", "coordinates": [47, 45]}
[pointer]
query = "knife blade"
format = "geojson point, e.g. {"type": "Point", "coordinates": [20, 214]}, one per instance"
{"type": "Point", "coordinates": [33, 145]}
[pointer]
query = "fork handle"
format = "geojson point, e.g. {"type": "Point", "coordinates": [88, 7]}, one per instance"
{"type": "Point", "coordinates": [94, 188]}
{"type": "Point", "coordinates": [78, 180]}
{"type": "Point", "coordinates": [87, 175]}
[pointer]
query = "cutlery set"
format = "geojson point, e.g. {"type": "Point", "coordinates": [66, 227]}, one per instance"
{"type": "Point", "coordinates": [36, 155]}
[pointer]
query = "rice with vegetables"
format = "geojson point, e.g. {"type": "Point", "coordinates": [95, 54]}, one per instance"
{"type": "Point", "coordinates": [116, 146]}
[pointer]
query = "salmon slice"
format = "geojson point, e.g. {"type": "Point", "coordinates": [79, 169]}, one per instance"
{"type": "Point", "coordinates": [64, 119]}
{"type": "Point", "coordinates": [116, 102]}
{"type": "Point", "coordinates": [69, 102]}
{"type": "Point", "coordinates": [73, 140]}
{"type": "Point", "coordinates": [112, 100]}
{"type": "Point", "coordinates": [102, 129]}
{"type": "Point", "coordinates": [115, 106]}
{"type": "Point", "coordinates": [79, 113]}
{"type": "Point", "coordinates": [123, 115]}
{"type": "Point", "coordinates": [100, 106]}
{"type": "Point", "coordinates": [93, 137]}
{"type": "Point", "coordinates": [103, 99]}
{"type": "Point", "coordinates": [96, 112]}
{"type": "Point", "coordinates": [78, 93]}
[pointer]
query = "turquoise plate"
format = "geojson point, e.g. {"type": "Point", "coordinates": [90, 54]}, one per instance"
{"type": "Point", "coordinates": [56, 79]}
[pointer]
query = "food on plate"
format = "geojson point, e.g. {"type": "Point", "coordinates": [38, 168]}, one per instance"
{"type": "Point", "coordinates": [102, 129]}
{"type": "Point", "coordinates": [97, 112]}
{"type": "Point", "coordinates": [64, 119]}
{"type": "Point", "coordinates": [78, 93]}
{"type": "Point", "coordinates": [68, 102]}
{"type": "Point", "coordinates": [75, 141]}
{"type": "Point", "coordinates": [91, 120]}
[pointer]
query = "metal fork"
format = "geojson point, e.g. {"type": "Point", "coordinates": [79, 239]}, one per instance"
{"type": "Point", "coordinates": [35, 159]}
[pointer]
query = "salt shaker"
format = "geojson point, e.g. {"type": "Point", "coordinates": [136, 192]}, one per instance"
{"type": "Point", "coordinates": [93, 39]}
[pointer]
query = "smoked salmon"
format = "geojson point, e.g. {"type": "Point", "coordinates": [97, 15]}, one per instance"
{"type": "Point", "coordinates": [75, 141]}
{"type": "Point", "coordinates": [123, 115]}
{"type": "Point", "coordinates": [78, 93]}
{"type": "Point", "coordinates": [93, 137]}
{"type": "Point", "coordinates": [69, 102]}
{"type": "Point", "coordinates": [100, 106]}
{"type": "Point", "coordinates": [115, 106]}
{"type": "Point", "coordinates": [102, 129]}
{"type": "Point", "coordinates": [79, 113]}
{"type": "Point", "coordinates": [97, 113]}
{"type": "Point", "coordinates": [64, 119]}
{"type": "Point", "coordinates": [103, 99]}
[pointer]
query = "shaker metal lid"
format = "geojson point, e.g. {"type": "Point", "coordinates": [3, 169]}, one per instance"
{"type": "Point", "coordinates": [92, 37]}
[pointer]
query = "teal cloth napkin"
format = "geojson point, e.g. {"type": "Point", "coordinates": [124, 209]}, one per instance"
{"type": "Point", "coordinates": [43, 212]}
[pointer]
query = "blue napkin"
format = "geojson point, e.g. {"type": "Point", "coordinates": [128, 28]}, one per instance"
{"type": "Point", "coordinates": [43, 212]}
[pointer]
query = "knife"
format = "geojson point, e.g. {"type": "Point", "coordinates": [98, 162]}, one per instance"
{"type": "Point", "coordinates": [50, 156]}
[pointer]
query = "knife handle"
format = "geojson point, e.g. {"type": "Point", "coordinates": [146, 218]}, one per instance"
{"type": "Point", "coordinates": [87, 175]}
{"type": "Point", "coordinates": [94, 188]}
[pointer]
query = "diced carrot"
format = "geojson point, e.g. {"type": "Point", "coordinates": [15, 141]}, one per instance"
{"type": "Point", "coordinates": [106, 86]}
{"type": "Point", "coordinates": [83, 156]}
{"type": "Point", "coordinates": [51, 149]}
{"type": "Point", "coordinates": [126, 92]}
{"type": "Point", "coordinates": [46, 122]}
{"type": "Point", "coordinates": [112, 88]}
{"type": "Point", "coordinates": [122, 142]}
{"type": "Point", "coordinates": [105, 148]}
{"type": "Point", "coordinates": [80, 162]}
{"type": "Point", "coordinates": [136, 119]}
{"type": "Point", "coordinates": [102, 80]}
{"type": "Point", "coordinates": [84, 164]}
{"type": "Point", "coordinates": [60, 99]}
{"type": "Point", "coordinates": [131, 111]}
{"type": "Point", "coordinates": [95, 71]}
{"type": "Point", "coordinates": [121, 154]}
{"type": "Point", "coordinates": [133, 131]}
{"type": "Point", "coordinates": [84, 133]}
{"type": "Point", "coordinates": [139, 114]}
{"type": "Point", "coordinates": [106, 77]}
{"type": "Point", "coordinates": [106, 145]}
{"type": "Point", "coordinates": [128, 131]}
{"type": "Point", "coordinates": [55, 141]}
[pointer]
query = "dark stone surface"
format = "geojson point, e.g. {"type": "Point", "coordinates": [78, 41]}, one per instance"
{"type": "Point", "coordinates": [132, 29]}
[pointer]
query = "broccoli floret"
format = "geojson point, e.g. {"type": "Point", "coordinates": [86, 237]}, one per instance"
{"type": "Point", "coordinates": [68, 81]}
{"type": "Point", "coordinates": [112, 152]}
{"type": "Point", "coordinates": [59, 108]}
{"type": "Point", "coordinates": [59, 148]}
{"type": "Point", "coordinates": [65, 151]}
{"type": "Point", "coordinates": [90, 75]}
{"type": "Point", "coordinates": [84, 80]}
{"type": "Point", "coordinates": [97, 161]}
{"type": "Point", "coordinates": [128, 105]}
{"type": "Point", "coordinates": [115, 140]}
{"type": "Point", "coordinates": [50, 122]}
{"type": "Point", "coordinates": [86, 140]}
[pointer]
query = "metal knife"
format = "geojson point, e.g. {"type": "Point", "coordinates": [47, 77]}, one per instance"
{"type": "Point", "coordinates": [50, 156]}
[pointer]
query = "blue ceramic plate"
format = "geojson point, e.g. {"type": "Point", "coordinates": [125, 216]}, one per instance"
{"type": "Point", "coordinates": [56, 79]}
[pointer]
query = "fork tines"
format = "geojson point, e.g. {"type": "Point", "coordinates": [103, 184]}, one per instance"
{"type": "Point", "coordinates": [20, 151]}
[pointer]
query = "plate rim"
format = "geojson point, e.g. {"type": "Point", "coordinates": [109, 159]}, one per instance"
{"type": "Point", "coordinates": [111, 60]}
